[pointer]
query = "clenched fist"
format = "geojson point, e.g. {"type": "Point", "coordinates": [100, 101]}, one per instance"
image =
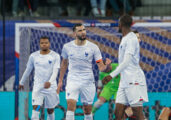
{"type": "Point", "coordinates": [47, 85]}
{"type": "Point", "coordinates": [106, 79]}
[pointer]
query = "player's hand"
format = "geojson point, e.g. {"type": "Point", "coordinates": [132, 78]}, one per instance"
{"type": "Point", "coordinates": [108, 61]}
{"type": "Point", "coordinates": [21, 87]}
{"type": "Point", "coordinates": [59, 87]}
{"type": "Point", "coordinates": [128, 111]}
{"type": "Point", "coordinates": [47, 85]}
{"type": "Point", "coordinates": [106, 79]}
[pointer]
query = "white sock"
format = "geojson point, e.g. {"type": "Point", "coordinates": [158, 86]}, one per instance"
{"type": "Point", "coordinates": [70, 115]}
{"type": "Point", "coordinates": [51, 116]}
{"type": "Point", "coordinates": [88, 117]}
{"type": "Point", "coordinates": [35, 115]}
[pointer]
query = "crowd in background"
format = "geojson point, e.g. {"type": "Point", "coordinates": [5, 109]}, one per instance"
{"type": "Point", "coordinates": [97, 8]}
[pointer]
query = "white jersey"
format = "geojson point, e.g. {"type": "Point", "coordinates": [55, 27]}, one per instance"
{"type": "Point", "coordinates": [132, 73]}
{"type": "Point", "coordinates": [43, 68]}
{"type": "Point", "coordinates": [80, 60]}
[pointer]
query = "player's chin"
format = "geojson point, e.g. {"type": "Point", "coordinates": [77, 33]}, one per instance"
{"type": "Point", "coordinates": [83, 38]}
{"type": "Point", "coordinates": [44, 49]}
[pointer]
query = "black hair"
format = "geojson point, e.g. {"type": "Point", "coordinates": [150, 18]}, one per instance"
{"type": "Point", "coordinates": [76, 25]}
{"type": "Point", "coordinates": [44, 37]}
{"type": "Point", "coordinates": [135, 31]}
{"type": "Point", "coordinates": [126, 20]}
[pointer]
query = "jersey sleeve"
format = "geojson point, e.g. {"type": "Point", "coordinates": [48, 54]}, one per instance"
{"type": "Point", "coordinates": [29, 68]}
{"type": "Point", "coordinates": [64, 52]}
{"type": "Point", "coordinates": [55, 69]}
{"type": "Point", "coordinates": [57, 61]}
{"type": "Point", "coordinates": [97, 54]}
{"type": "Point", "coordinates": [131, 45]}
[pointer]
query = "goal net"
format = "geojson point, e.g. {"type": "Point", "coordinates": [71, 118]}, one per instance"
{"type": "Point", "coordinates": [155, 57]}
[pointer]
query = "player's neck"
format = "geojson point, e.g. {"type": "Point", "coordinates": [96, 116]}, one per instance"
{"type": "Point", "coordinates": [45, 52]}
{"type": "Point", "coordinates": [125, 31]}
{"type": "Point", "coordinates": [79, 42]}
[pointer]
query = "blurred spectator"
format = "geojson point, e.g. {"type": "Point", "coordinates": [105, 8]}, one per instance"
{"type": "Point", "coordinates": [84, 6]}
{"type": "Point", "coordinates": [124, 6]}
{"type": "Point", "coordinates": [98, 11]}
{"type": "Point", "coordinates": [74, 7]}
{"type": "Point", "coordinates": [19, 5]}
{"type": "Point", "coordinates": [34, 6]}
{"type": "Point", "coordinates": [14, 7]}
{"type": "Point", "coordinates": [63, 4]}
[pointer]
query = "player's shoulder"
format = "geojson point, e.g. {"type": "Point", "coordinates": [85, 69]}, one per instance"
{"type": "Point", "coordinates": [69, 44]}
{"type": "Point", "coordinates": [35, 53]}
{"type": "Point", "coordinates": [53, 53]}
{"type": "Point", "coordinates": [91, 44]}
{"type": "Point", "coordinates": [131, 37]}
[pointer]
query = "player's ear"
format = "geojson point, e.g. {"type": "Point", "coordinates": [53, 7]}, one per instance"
{"type": "Point", "coordinates": [74, 34]}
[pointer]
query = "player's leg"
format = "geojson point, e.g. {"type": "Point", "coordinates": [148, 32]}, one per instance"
{"type": "Point", "coordinates": [72, 93]}
{"type": "Point", "coordinates": [101, 100]}
{"type": "Point", "coordinates": [35, 112]}
{"type": "Point", "coordinates": [50, 102]}
{"type": "Point", "coordinates": [138, 113]}
{"type": "Point", "coordinates": [51, 115]}
{"type": "Point", "coordinates": [119, 111]}
{"type": "Point", "coordinates": [165, 114]}
{"type": "Point", "coordinates": [121, 104]}
{"type": "Point", "coordinates": [87, 112]}
{"type": "Point", "coordinates": [87, 94]}
{"type": "Point", "coordinates": [71, 106]}
{"type": "Point", "coordinates": [37, 102]}
{"type": "Point", "coordinates": [104, 96]}
{"type": "Point", "coordinates": [136, 100]}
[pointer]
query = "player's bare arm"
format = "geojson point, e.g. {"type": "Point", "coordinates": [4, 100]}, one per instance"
{"type": "Point", "coordinates": [63, 69]}
{"type": "Point", "coordinates": [104, 67]}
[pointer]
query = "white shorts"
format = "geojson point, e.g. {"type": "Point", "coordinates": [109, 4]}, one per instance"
{"type": "Point", "coordinates": [86, 92]}
{"type": "Point", "coordinates": [51, 99]}
{"type": "Point", "coordinates": [132, 95]}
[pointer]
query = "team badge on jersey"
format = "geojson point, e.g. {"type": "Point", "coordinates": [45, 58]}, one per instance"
{"type": "Point", "coordinates": [50, 62]}
{"type": "Point", "coordinates": [68, 94]}
{"type": "Point", "coordinates": [86, 54]}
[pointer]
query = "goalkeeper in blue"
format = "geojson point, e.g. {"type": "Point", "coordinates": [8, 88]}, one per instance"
{"type": "Point", "coordinates": [46, 64]}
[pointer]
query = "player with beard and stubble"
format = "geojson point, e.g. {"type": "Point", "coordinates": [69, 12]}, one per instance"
{"type": "Point", "coordinates": [46, 64]}
{"type": "Point", "coordinates": [132, 88]}
{"type": "Point", "coordinates": [79, 54]}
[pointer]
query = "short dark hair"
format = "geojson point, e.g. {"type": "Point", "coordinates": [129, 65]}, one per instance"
{"type": "Point", "coordinates": [126, 20]}
{"type": "Point", "coordinates": [76, 25]}
{"type": "Point", "coordinates": [135, 31]}
{"type": "Point", "coordinates": [44, 37]}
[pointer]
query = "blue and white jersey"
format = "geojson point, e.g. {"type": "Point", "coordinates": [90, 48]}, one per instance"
{"type": "Point", "coordinates": [80, 60]}
{"type": "Point", "coordinates": [43, 68]}
{"type": "Point", "coordinates": [132, 73]}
